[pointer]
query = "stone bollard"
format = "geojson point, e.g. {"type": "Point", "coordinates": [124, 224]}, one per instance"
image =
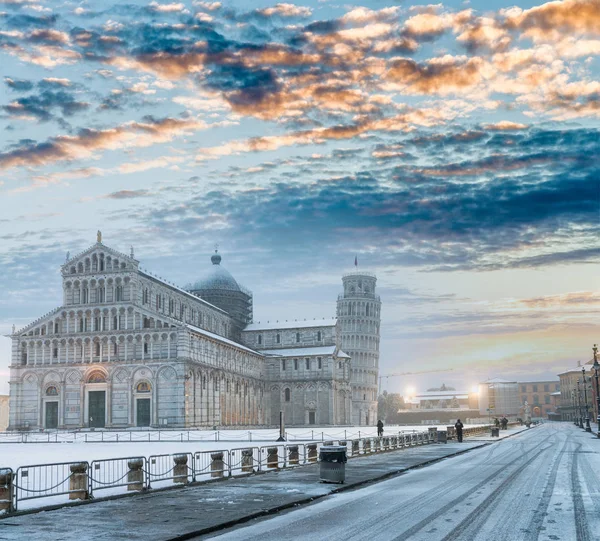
{"type": "Point", "coordinates": [216, 464]}
{"type": "Point", "coordinates": [355, 447]}
{"type": "Point", "coordinates": [293, 455]}
{"type": "Point", "coordinates": [180, 470]}
{"type": "Point", "coordinates": [386, 443]}
{"type": "Point", "coordinates": [367, 445]}
{"type": "Point", "coordinates": [6, 489]}
{"type": "Point", "coordinates": [247, 461]}
{"type": "Point", "coordinates": [135, 475]}
{"type": "Point", "coordinates": [78, 487]}
{"type": "Point", "coordinates": [394, 442]}
{"type": "Point", "coordinates": [451, 432]}
{"type": "Point", "coordinates": [312, 452]}
{"type": "Point", "coordinates": [272, 457]}
{"type": "Point", "coordinates": [432, 433]}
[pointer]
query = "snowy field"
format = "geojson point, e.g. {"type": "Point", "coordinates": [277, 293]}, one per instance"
{"type": "Point", "coordinates": [43, 471]}
{"type": "Point", "coordinates": [88, 446]}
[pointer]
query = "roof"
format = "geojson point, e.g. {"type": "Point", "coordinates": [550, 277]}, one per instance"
{"type": "Point", "coordinates": [146, 274]}
{"type": "Point", "coordinates": [222, 339]}
{"type": "Point", "coordinates": [302, 352]}
{"type": "Point", "coordinates": [440, 395]}
{"type": "Point", "coordinates": [296, 324]}
{"type": "Point", "coordinates": [498, 380]}
{"type": "Point", "coordinates": [217, 279]}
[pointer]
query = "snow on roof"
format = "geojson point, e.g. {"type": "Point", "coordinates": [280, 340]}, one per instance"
{"type": "Point", "coordinates": [296, 324]}
{"type": "Point", "coordinates": [300, 352]}
{"type": "Point", "coordinates": [498, 380]}
{"type": "Point", "coordinates": [343, 355]}
{"type": "Point", "coordinates": [222, 339]}
{"type": "Point", "coordinates": [440, 395]}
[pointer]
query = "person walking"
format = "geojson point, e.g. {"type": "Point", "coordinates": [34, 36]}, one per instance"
{"type": "Point", "coordinates": [459, 428]}
{"type": "Point", "coordinates": [379, 428]}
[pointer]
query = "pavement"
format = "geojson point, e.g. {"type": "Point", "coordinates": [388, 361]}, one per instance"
{"type": "Point", "coordinates": [198, 510]}
{"type": "Point", "coordinates": [542, 485]}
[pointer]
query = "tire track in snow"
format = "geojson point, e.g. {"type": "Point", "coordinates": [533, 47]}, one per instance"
{"type": "Point", "coordinates": [581, 525]}
{"type": "Point", "coordinates": [406, 535]}
{"type": "Point", "coordinates": [475, 520]}
{"type": "Point", "coordinates": [532, 532]}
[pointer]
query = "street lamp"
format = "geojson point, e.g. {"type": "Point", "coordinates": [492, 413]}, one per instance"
{"type": "Point", "coordinates": [579, 416]}
{"type": "Point", "coordinates": [596, 367]}
{"type": "Point", "coordinates": [588, 428]}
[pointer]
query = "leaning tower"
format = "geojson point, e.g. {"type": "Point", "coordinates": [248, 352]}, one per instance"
{"type": "Point", "coordinates": [359, 314]}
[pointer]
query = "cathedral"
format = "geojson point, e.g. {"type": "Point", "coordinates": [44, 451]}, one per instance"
{"type": "Point", "coordinates": [129, 349]}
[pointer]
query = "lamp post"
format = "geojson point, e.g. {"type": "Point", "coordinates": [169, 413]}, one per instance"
{"type": "Point", "coordinates": [579, 417]}
{"type": "Point", "coordinates": [596, 367]}
{"type": "Point", "coordinates": [574, 404]}
{"type": "Point", "coordinates": [588, 428]}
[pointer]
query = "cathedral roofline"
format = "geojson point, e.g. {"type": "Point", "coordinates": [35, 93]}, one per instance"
{"type": "Point", "coordinates": [96, 246]}
{"type": "Point", "coordinates": [296, 324]}
{"type": "Point", "coordinates": [146, 274]}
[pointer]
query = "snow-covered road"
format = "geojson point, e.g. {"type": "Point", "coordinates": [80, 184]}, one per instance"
{"type": "Point", "coordinates": [542, 484]}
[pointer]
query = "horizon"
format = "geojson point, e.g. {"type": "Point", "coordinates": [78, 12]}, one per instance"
{"type": "Point", "coordinates": [450, 149]}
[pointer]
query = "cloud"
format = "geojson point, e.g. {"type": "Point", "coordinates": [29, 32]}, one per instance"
{"type": "Point", "coordinates": [504, 125]}
{"type": "Point", "coordinates": [43, 105]}
{"type": "Point", "coordinates": [18, 85]}
{"type": "Point", "coordinates": [554, 19]}
{"type": "Point", "coordinates": [87, 141]}
{"type": "Point", "coordinates": [127, 194]}
{"type": "Point", "coordinates": [441, 75]}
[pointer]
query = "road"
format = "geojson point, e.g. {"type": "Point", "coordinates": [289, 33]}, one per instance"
{"type": "Point", "coordinates": [542, 484]}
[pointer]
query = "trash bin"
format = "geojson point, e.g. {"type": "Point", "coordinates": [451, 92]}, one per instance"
{"type": "Point", "coordinates": [333, 463]}
{"type": "Point", "coordinates": [495, 432]}
{"type": "Point", "coordinates": [442, 436]}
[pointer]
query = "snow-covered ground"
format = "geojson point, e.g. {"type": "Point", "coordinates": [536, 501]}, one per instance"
{"type": "Point", "coordinates": [88, 446]}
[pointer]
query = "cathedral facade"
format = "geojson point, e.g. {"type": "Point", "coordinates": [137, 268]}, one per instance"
{"type": "Point", "coordinates": [127, 348]}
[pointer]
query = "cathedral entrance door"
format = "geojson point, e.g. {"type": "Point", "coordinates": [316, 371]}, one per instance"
{"type": "Point", "coordinates": [97, 409]}
{"type": "Point", "coordinates": [311, 418]}
{"type": "Point", "coordinates": [51, 415]}
{"type": "Point", "coordinates": [143, 411]}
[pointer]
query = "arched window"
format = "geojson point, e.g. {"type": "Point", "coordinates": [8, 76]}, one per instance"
{"type": "Point", "coordinates": [52, 391]}
{"type": "Point", "coordinates": [319, 337]}
{"type": "Point", "coordinates": [278, 338]}
{"type": "Point", "coordinates": [119, 293]}
{"type": "Point", "coordinates": [260, 339]}
{"type": "Point", "coordinates": [297, 337]}
{"type": "Point", "coordinates": [287, 394]}
{"type": "Point", "coordinates": [97, 348]}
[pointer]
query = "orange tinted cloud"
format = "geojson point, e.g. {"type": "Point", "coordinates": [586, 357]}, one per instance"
{"type": "Point", "coordinates": [87, 142]}
{"type": "Point", "coordinates": [437, 76]}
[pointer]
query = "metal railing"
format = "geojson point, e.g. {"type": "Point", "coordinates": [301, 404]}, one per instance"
{"type": "Point", "coordinates": [83, 480]}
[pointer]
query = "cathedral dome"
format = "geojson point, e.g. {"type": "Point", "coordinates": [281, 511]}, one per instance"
{"type": "Point", "coordinates": [218, 278]}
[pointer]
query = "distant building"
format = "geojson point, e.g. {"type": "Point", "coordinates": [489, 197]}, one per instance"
{"type": "Point", "coordinates": [499, 397]}
{"type": "Point", "coordinates": [3, 412]}
{"type": "Point", "coordinates": [538, 394]}
{"type": "Point", "coordinates": [439, 406]}
{"type": "Point", "coordinates": [572, 395]}
{"type": "Point", "coordinates": [442, 400]}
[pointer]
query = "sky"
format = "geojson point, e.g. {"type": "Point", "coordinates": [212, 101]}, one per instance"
{"type": "Point", "coordinates": [452, 148]}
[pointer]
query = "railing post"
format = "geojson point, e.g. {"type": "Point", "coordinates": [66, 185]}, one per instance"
{"type": "Point", "coordinates": [180, 470]}
{"type": "Point", "coordinates": [78, 481]}
{"type": "Point", "coordinates": [272, 457]}
{"type": "Point", "coordinates": [312, 452]}
{"type": "Point", "coordinates": [355, 448]}
{"type": "Point", "coordinates": [135, 475]}
{"type": "Point", "coordinates": [6, 490]}
{"type": "Point", "coordinates": [216, 465]}
{"type": "Point", "coordinates": [247, 461]}
{"type": "Point", "coordinates": [294, 455]}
